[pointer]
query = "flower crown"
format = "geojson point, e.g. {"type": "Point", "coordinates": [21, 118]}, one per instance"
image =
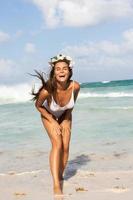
{"type": "Point", "coordinates": [61, 57]}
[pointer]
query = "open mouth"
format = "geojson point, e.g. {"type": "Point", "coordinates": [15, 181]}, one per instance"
{"type": "Point", "coordinates": [62, 76]}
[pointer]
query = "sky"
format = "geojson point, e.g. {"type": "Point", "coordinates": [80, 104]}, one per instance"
{"type": "Point", "coordinates": [97, 34]}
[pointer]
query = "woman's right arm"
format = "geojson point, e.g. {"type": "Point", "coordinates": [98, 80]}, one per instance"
{"type": "Point", "coordinates": [43, 95]}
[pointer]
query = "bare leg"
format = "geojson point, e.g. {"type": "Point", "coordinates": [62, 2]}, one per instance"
{"type": "Point", "coordinates": [64, 160]}
{"type": "Point", "coordinates": [54, 158]}
{"type": "Point", "coordinates": [66, 136]}
{"type": "Point", "coordinates": [54, 166]}
{"type": "Point", "coordinates": [65, 151]}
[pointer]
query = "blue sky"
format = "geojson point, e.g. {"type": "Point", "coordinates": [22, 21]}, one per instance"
{"type": "Point", "coordinates": [97, 34]}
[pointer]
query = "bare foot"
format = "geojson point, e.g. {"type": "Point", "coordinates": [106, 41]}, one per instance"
{"type": "Point", "coordinates": [57, 190]}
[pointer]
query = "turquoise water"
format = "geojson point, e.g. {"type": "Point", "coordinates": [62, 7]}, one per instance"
{"type": "Point", "coordinates": [102, 126]}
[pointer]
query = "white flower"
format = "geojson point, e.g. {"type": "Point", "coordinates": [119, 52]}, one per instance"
{"type": "Point", "coordinates": [61, 57]}
{"type": "Point", "coordinates": [68, 58]}
{"type": "Point", "coordinates": [53, 60]}
{"type": "Point", "coordinates": [71, 64]}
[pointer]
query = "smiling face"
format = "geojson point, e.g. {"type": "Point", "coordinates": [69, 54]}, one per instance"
{"type": "Point", "coordinates": [61, 71]}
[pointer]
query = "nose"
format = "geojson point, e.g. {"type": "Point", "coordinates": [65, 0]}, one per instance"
{"type": "Point", "coordinates": [62, 71]}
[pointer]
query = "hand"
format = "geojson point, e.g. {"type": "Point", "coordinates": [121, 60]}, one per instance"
{"type": "Point", "coordinates": [56, 127]}
{"type": "Point", "coordinates": [65, 126]}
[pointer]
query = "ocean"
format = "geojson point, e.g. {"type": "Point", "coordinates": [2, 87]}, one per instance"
{"type": "Point", "coordinates": [102, 129]}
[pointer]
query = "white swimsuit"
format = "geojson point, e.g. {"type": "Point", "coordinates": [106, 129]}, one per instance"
{"type": "Point", "coordinates": [56, 109]}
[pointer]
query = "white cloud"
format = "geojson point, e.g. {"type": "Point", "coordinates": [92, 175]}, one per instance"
{"type": "Point", "coordinates": [6, 66]}
{"type": "Point", "coordinates": [83, 12]}
{"type": "Point", "coordinates": [30, 48]}
{"type": "Point", "coordinates": [49, 10]}
{"type": "Point", "coordinates": [128, 35]}
{"type": "Point", "coordinates": [103, 55]}
{"type": "Point", "coordinates": [127, 45]}
{"type": "Point", "coordinates": [4, 37]}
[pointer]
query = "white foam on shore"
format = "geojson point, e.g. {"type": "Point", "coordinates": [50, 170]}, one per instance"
{"type": "Point", "coordinates": [105, 81]}
{"type": "Point", "coordinates": [22, 173]}
{"type": "Point", "coordinates": [109, 94]}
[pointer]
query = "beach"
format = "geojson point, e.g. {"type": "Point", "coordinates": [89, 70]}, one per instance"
{"type": "Point", "coordinates": [92, 185]}
{"type": "Point", "coordinates": [101, 153]}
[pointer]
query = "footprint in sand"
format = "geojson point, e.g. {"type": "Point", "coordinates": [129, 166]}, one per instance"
{"type": "Point", "coordinates": [119, 189]}
{"type": "Point", "coordinates": [91, 174]}
{"type": "Point", "coordinates": [19, 194]}
{"type": "Point", "coordinates": [80, 189]}
{"type": "Point", "coordinates": [117, 178]}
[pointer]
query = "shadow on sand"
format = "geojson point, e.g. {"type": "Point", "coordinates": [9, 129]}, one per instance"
{"type": "Point", "coordinates": [75, 164]}
{"type": "Point", "coordinates": [71, 170]}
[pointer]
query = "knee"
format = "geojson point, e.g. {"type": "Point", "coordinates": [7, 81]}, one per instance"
{"type": "Point", "coordinates": [57, 144]}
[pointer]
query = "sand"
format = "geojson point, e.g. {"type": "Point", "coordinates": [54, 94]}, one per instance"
{"type": "Point", "coordinates": [37, 185]}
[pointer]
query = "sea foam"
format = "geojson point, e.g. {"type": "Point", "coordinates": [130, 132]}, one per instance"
{"type": "Point", "coordinates": [102, 95]}
{"type": "Point", "coordinates": [21, 93]}
{"type": "Point", "coordinates": [15, 93]}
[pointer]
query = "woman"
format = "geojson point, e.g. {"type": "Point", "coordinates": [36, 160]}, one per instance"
{"type": "Point", "coordinates": [55, 101]}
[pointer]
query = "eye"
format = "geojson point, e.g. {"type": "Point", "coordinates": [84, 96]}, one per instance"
{"type": "Point", "coordinates": [57, 69]}
{"type": "Point", "coordinates": [65, 68]}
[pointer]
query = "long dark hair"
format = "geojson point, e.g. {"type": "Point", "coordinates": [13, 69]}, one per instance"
{"type": "Point", "coordinates": [50, 84]}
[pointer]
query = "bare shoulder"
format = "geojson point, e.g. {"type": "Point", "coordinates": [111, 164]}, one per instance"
{"type": "Point", "coordinates": [44, 93]}
{"type": "Point", "coordinates": [76, 86]}
{"type": "Point", "coordinates": [76, 90]}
